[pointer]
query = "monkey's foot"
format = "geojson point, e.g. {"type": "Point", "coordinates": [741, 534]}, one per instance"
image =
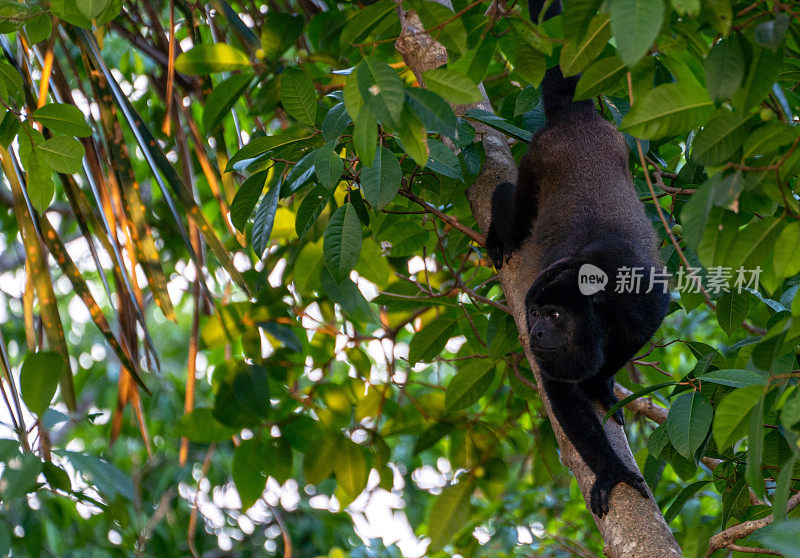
{"type": "Point", "coordinates": [608, 479]}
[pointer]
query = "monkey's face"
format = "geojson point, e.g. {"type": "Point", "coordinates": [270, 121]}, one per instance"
{"type": "Point", "coordinates": [550, 328]}
{"type": "Point", "coordinates": [564, 336]}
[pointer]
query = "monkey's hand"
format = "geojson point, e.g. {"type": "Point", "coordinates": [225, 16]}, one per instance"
{"type": "Point", "coordinates": [495, 247]}
{"type": "Point", "coordinates": [606, 480]}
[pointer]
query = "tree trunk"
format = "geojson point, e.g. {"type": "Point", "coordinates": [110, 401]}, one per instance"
{"type": "Point", "coordinates": [634, 526]}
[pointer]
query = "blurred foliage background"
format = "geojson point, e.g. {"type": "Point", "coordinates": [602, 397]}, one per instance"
{"type": "Point", "coordinates": [245, 308]}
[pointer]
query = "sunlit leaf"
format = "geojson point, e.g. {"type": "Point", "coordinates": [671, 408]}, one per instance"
{"type": "Point", "coordinates": [205, 59]}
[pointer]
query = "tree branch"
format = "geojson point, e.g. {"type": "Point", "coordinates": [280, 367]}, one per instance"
{"type": "Point", "coordinates": [729, 536]}
{"type": "Point", "coordinates": [634, 526]}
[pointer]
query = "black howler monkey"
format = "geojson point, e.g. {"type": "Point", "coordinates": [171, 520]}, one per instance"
{"type": "Point", "coordinates": [574, 204]}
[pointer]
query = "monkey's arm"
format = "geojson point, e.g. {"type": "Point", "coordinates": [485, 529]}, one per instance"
{"type": "Point", "coordinates": [576, 415]}
{"type": "Point", "coordinates": [513, 210]}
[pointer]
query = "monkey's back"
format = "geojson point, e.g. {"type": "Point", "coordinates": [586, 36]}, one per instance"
{"type": "Point", "coordinates": [586, 192]}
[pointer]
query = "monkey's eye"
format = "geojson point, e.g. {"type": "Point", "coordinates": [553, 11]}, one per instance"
{"type": "Point", "coordinates": [534, 313]}
{"type": "Point", "coordinates": [554, 314]}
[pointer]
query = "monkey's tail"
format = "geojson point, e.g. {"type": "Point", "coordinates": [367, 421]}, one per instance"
{"type": "Point", "coordinates": [557, 90]}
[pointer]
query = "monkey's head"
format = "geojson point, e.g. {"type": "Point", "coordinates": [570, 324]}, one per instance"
{"type": "Point", "coordinates": [564, 332]}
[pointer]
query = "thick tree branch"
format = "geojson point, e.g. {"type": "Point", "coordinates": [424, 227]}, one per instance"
{"type": "Point", "coordinates": [634, 527]}
{"type": "Point", "coordinates": [729, 536]}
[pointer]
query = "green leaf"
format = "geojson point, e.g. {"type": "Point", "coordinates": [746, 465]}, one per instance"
{"type": "Point", "coordinates": [259, 147]}
{"type": "Point", "coordinates": [453, 35]}
{"type": "Point", "coordinates": [201, 426]}
{"type": "Point", "coordinates": [248, 477]}
{"type": "Point", "coordinates": [755, 450]}
{"type": "Point", "coordinates": [10, 81]}
{"type": "Point", "coordinates": [526, 100]}
{"type": "Point", "coordinates": [256, 459]}
{"type": "Point", "coordinates": [353, 102]}
{"type": "Point", "coordinates": [38, 379]}
{"type": "Point", "coordinates": [381, 181]}
{"type": "Point", "coordinates": [499, 123]}
{"type": "Point", "coordinates": [365, 136]}
{"type": "Point", "coordinates": [279, 32]}
{"type": "Point", "coordinates": [600, 77]}
{"type": "Point", "coordinates": [432, 110]}
{"type": "Point", "coordinates": [732, 309]}
{"type": "Point", "coordinates": [451, 86]}
{"type": "Point", "coordinates": [428, 342]}
{"type": "Point", "coordinates": [328, 166]}
{"type": "Point", "coordinates": [469, 384]}
{"type": "Point", "coordinates": [62, 154]}
{"type": "Point", "coordinates": [335, 122]}
{"type": "Point", "coordinates": [768, 139]}
{"type": "Point", "coordinates": [449, 514]}
{"type": "Point", "coordinates": [413, 140]}
{"type": "Point", "coordinates": [781, 494]}
{"type": "Point", "coordinates": [310, 209]}
{"type": "Point", "coordinates": [109, 480]}
{"type": "Point", "coordinates": [347, 295]}
{"type": "Point", "coordinates": [732, 415]}
{"type": "Point", "coordinates": [364, 20]}
{"type": "Point", "coordinates": [724, 67]}
{"type": "Point", "coordinates": [381, 89]}
{"type": "Point", "coordinates": [318, 462]}
{"type": "Point", "coordinates": [785, 252]}
{"type": "Point", "coordinates": [242, 398]}
{"type": "Point", "coordinates": [91, 8]}
{"type": "Point", "coordinates": [222, 98]}
{"type": "Point", "coordinates": [688, 422]}
{"type": "Point", "coordinates": [300, 175]}
{"type": "Point", "coordinates": [752, 243]}
{"type": "Point", "coordinates": [475, 62]}
{"type": "Point", "coordinates": [56, 477]}
{"type": "Point", "coordinates": [683, 496]}
{"type": "Point", "coordinates": [207, 59]}
{"type": "Point", "coordinates": [442, 160]}
{"type": "Point", "coordinates": [667, 110]}
{"type": "Point", "coordinates": [283, 334]}
{"type": "Point", "coordinates": [528, 62]}
{"type": "Point", "coordinates": [307, 268]}
{"type": "Point", "coordinates": [576, 57]}
{"type": "Point", "coordinates": [246, 198]}
{"type": "Point", "coordinates": [686, 7]}
{"type": "Point", "coordinates": [735, 378]}
{"type": "Point", "coordinates": [635, 24]}
{"type": "Point", "coordinates": [576, 17]}
{"type": "Point", "coordinates": [63, 119]}
{"type": "Point", "coordinates": [720, 138]}
{"type": "Point", "coordinates": [39, 177]}
{"type": "Point", "coordinates": [350, 468]}
{"type": "Point", "coordinates": [265, 218]}
{"type": "Point", "coordinates": [19, 477]}
{"type": "Point", "coordinates": [342, 242]}
{"type": "Point", "coordinates": [373, 265]}
{"type": "Point", "coordinates": [9, 126]}
{"type": "Point", "coordinates": [763, 71]}
{"type": "Point", "coordinates": [780, 537]}
{"type": "Point", "coordinates": [298, 96]}
{"type": "Point", "coordinates": [770, 33]}
{"type": "Point", "coordinates": [38, 28]}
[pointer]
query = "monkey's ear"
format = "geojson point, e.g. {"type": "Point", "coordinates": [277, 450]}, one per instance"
{"type": "Point", "coordinates": [554, 273]}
